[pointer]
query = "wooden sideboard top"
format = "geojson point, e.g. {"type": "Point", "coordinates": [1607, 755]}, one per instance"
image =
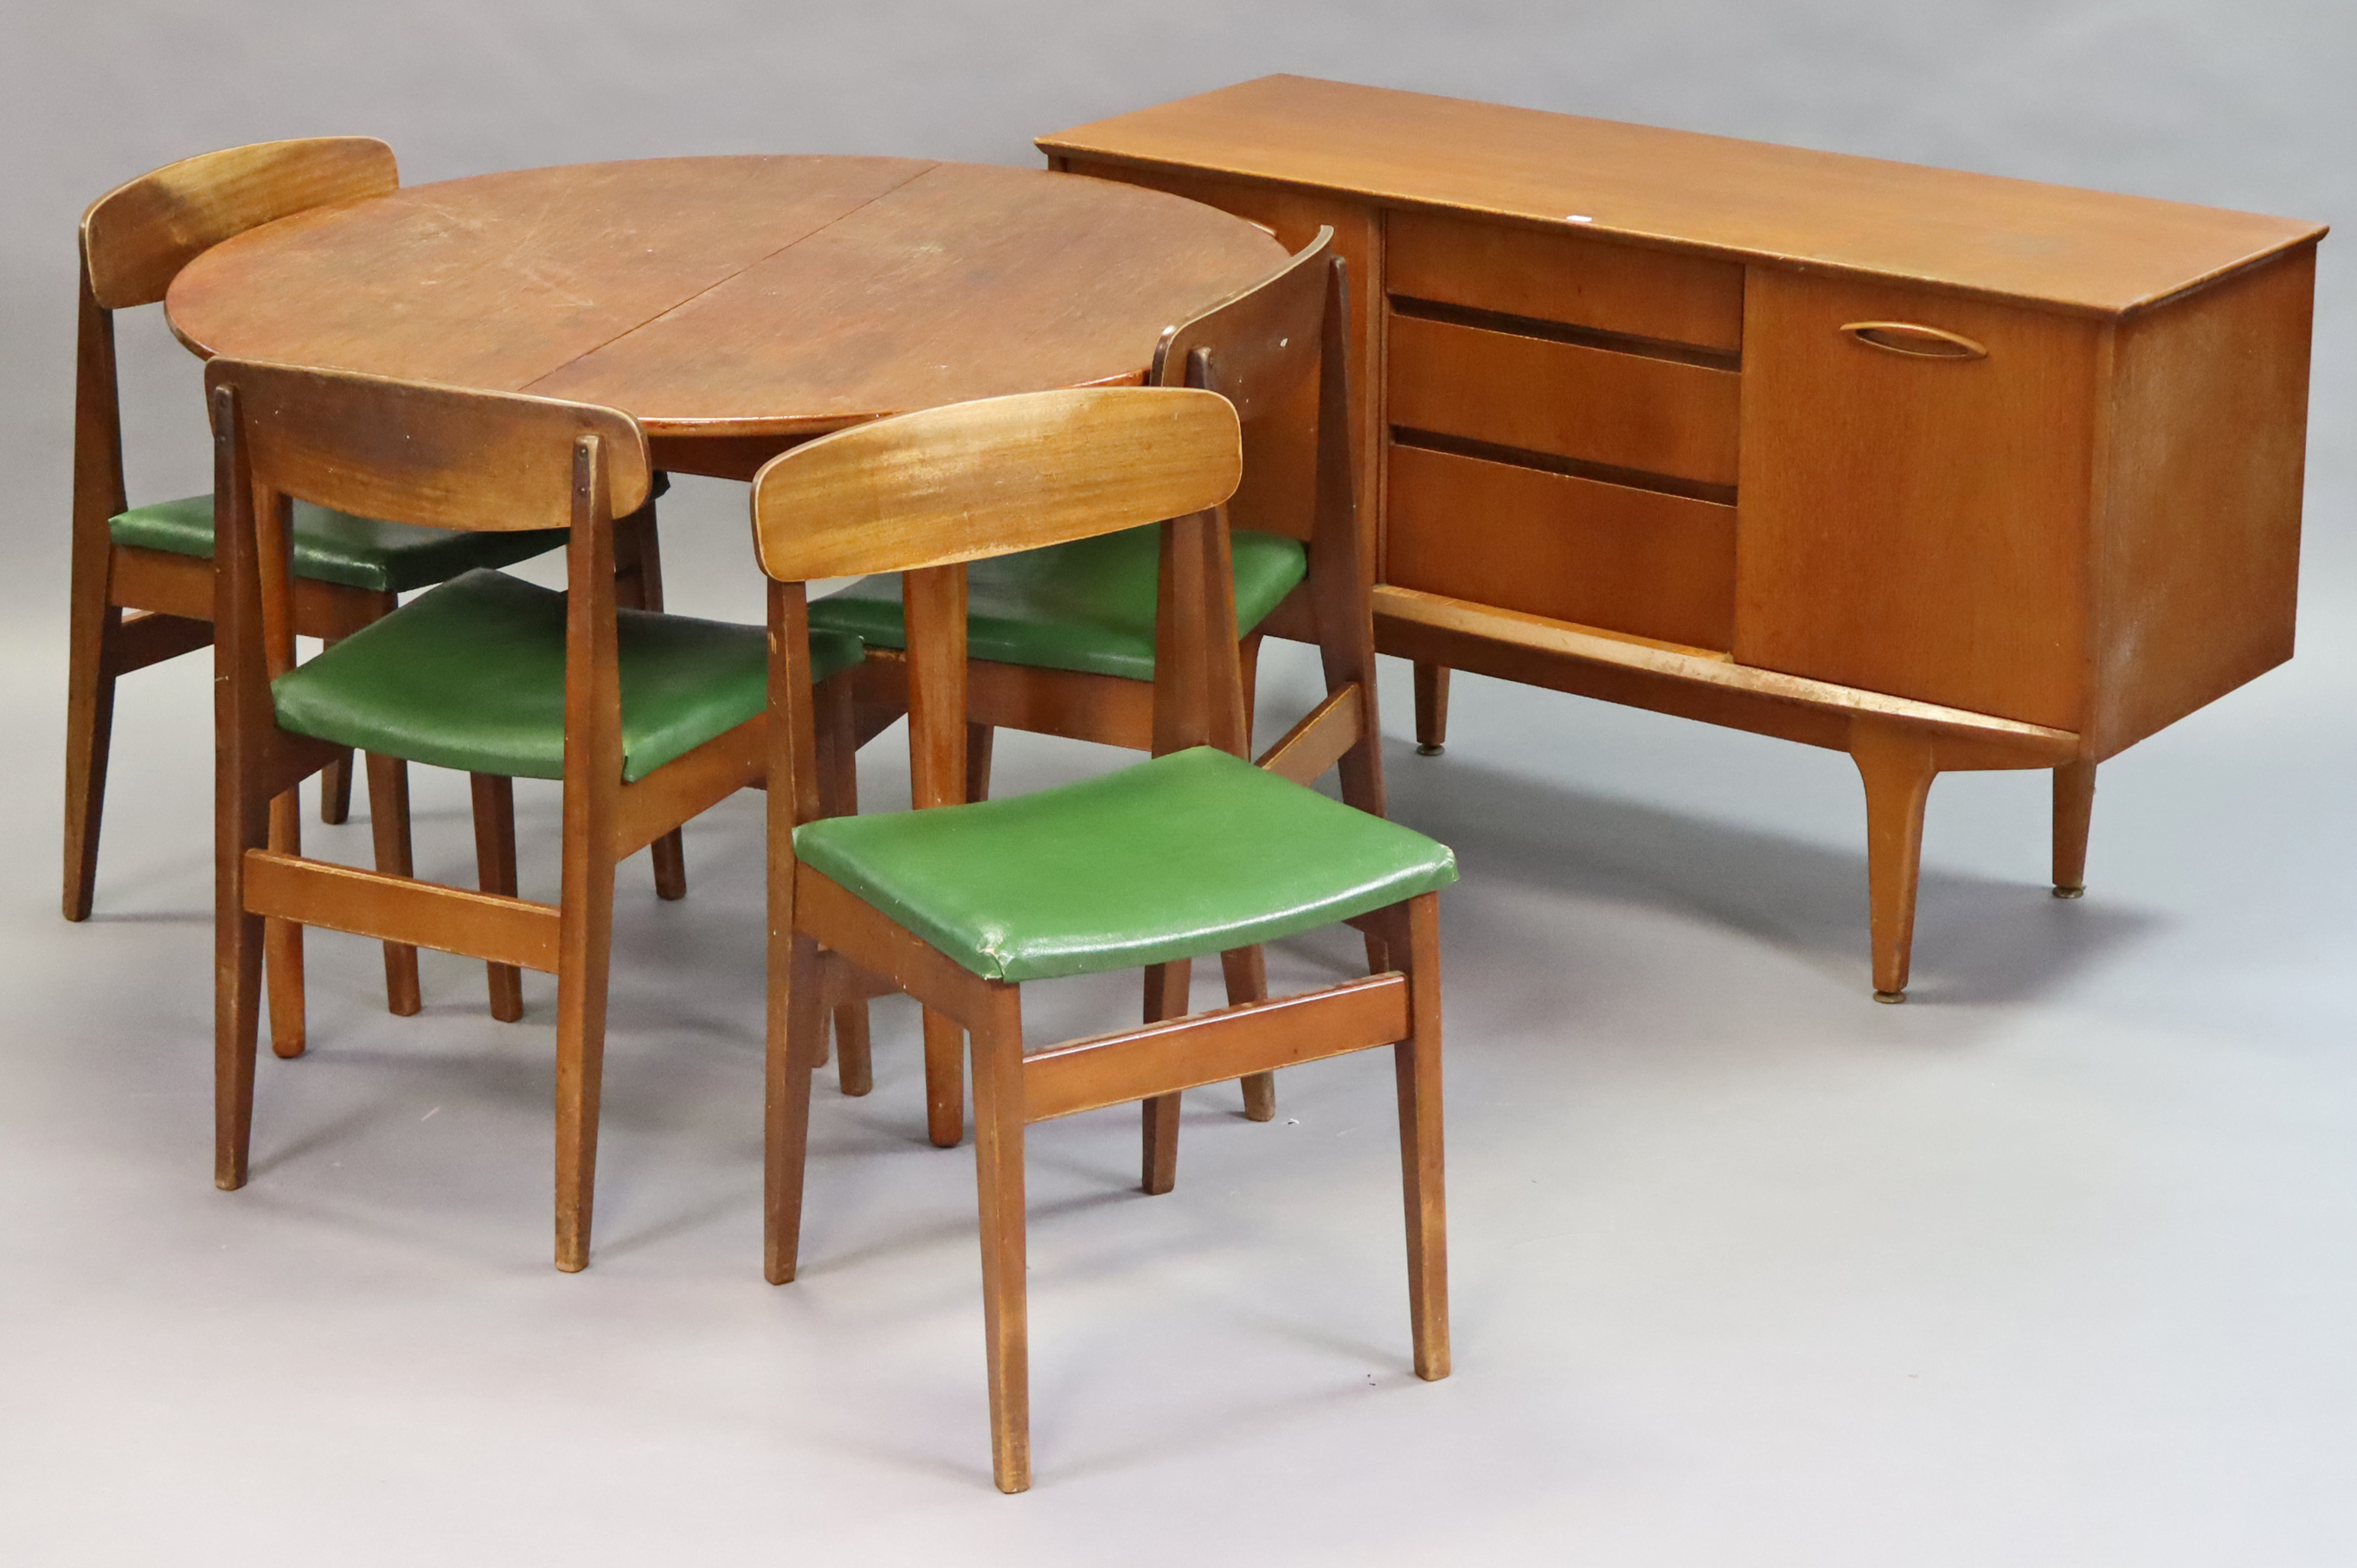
{"type": "Point", "coordinates": [2084, 251]}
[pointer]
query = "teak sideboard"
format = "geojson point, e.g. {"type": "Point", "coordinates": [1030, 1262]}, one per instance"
{"type": "Point", "coordinates": [1940, 469]}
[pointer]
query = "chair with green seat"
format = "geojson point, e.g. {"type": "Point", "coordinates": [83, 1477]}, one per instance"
{"type": "Point", "coordinates": [1067, 641]}
{"type": "Point", "coordinates": [647, 719]}
{"type": "Point", "coordinates": [142, 577]}
{"type": "Point", "coordinates": [1192, 853]}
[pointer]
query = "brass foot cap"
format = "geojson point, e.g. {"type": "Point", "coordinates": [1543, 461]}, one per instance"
{"type": "Point", "coordinates": [1892, 997]}
{"type": "Point", "coordinates": [2079, 892]}
{"type": "Point", "coordinates": [1422, 750]}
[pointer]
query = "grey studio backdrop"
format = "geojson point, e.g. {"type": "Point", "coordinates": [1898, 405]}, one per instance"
{"type": "Point", "coordinates": [2051, 1266]}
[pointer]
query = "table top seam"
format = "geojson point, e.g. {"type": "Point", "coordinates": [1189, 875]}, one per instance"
{"type": "Point", "coordinates": [722, 282]}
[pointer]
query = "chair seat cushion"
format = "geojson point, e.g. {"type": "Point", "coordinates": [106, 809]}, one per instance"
{"type": "Point", "coordinates": [1193, 853]}
{"type": "Point", "coordinates": [1087, 606]}
{"type": "Point", "coordinates": [336, 547]}
{"type": "Point", "coordinates": [471, 675]}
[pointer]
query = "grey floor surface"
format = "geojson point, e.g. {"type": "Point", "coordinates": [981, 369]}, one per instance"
{"type": "Point", "coordinates": [2051, 1266]}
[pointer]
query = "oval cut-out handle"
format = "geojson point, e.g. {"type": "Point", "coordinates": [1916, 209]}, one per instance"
{"type": "Point", "coordinates": [1913, 338]}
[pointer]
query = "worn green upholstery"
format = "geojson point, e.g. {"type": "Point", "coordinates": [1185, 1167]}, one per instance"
{"type": "Point", "coordinates": [1193, 853]}
{"type": "Point", "coordinates": [471, 675]}
{"type": "Point", "coordinates": [1086, 605]}
{"type": "Point", "coordinates": [336, 547]}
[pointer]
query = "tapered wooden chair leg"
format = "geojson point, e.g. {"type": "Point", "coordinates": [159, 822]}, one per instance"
{"type": "Point", "coordinates": [281, 940]}
{"type": "Point", "coordinates": [584, 947]}
{"type": "Point", "coordinates": [237, 943]}
{"type": "Point", "coordinates": [1165, 997]}
{"type": "Point", "coordinates": [1416, 1062]}
{"type": "Point", "coordinates": [638, 585]}
{"type": "Point", "coordinates": [1247, 973]}
{"type": "Point", "coordinates": [1898, 765]}
{"type": "Point", "coordinates": [2074, 807]}
{"type": "Point", "coordinates": [837, 734]}
{"type": "Point", "coordinates": [495, 872]}
{"type": "Point", "coordinates": [998, 1180]}
{"type": "Point", "coordinates": [1248, 667]}
{"type": "Point", "coordinates": [388, 786]}
{"type": "Point", "coordinates": [793, 1056]}
{"type": "Point", "coordinates": [90, 727]}
{"type": "Point", "coordinates": [1431, 709]}
{"type": "Point", "coordinates": [336, 791]}
{"type": "Point", "coordinates": [978, 742]}
{"type": "Point", "coordinates": [669, 855]}
{"type": "Point", "coordinates": [237, 1019]}
{"type": "Point", "coordinates": [945, 1080]}
{"type": "Point", "coordinates": [855, 1071]}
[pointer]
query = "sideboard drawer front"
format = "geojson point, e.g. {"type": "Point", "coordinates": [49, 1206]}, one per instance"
{"type": "Point", "coordinates": [1521, 539]}
{"type": "Point", "coordinates": [1912, 523]}
{"type": "Point", "coordinates": [1623, 411]}
{"type": "Point", "coordinates": [1565, 277]}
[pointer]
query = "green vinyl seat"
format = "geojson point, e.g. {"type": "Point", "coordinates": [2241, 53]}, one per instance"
{"type": "Point", "coordinates": [471, 675]}
{"type": "Point", "coordinates": [1189, 854]}
{"type": "Point", "coordinates": [1087, 606]}
{"type": "Point", "coordinates": [337, 547]}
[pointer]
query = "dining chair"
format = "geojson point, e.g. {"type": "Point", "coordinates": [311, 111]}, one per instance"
{"type": "Point", "coordinates": [960, 903]}
{"type": "Point", "coordinates": [142, 576]}
{"type": "Point", "coordinates": [1066, 640]}
{"type": "Point", "coordinates": [648, 719]}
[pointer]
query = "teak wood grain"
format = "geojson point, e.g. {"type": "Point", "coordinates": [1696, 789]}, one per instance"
{"type": "Point", "coordinates": [1552, 277]}
{"type": "Point", "coordinates": [1623, 411]}
{"type": "Point", "coordinates": [1599, 554]}
{"type": "Point", "coordinates": [1912, 524]}
{"type": "Point", "coordinates": [2015, 480]}
{"type": "Point", "coordinates": [2081, 252]}
{"type": "Point", "coordinates": [728, 303]}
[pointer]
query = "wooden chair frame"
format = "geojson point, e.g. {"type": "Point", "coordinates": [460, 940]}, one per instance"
{"type": "Point", "coordinates": [1259, 348]}
{"type": "Point", "coordinates": [132, 607]}
{"type": "Point", "coordinates": [450, 458]}
{"type": "Point", "coordinates": [827, 946]}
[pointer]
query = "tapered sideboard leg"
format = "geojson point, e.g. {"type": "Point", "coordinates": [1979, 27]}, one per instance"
{"type": "Point", "coordinates": [1898, 765]}
{"type": "Point", "coordinates": [2074, 804]}
{"type": "Point", "coordinates": [1431, 708]}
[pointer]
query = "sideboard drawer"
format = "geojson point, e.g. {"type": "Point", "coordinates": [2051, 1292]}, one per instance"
{"type": "Point", "coordinates": [1577, 549]}
{"type": "Point", "coordinates": [1611, 287]}
{"type": "Point", "coordinates": [1594, 405]}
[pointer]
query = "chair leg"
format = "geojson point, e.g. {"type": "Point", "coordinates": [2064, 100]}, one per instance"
{"type": "Point", "coordinates": [90, 727]}
{"type": "Point", "coordinates": [336, 791]}
{"type": "Point", "coordinates": [792, 1058]}
{"type": "Point", "coordinates": [584, 955]}
{"type": "Point", "coordinates": [237, 943]}
{"type": "Point", "coordinates": [1416, 1063]}
{"type": "Point", "coordinates": [1248, 664]}
{"type": "Point", "coordinates": [1247, 973]}
{"type": "Point", "coordinates": [838, 745]}
{"type": "Point", "coordinates": [978, 739]}
{"type": "Point", "coordinates": [2074, 807]}
{"type": "Point", "coordinates": [855, 1069]}
{"type": "Point", "coordinates": [281, 940]}
{"type": "Point", "coordinates": [945, 1080]}
{"type": "Point", "coordinates": [998, 1181]}
{"type": "Point", "coordinates": [388, 787]}
{"type": "Point", "coordinates": [637, 584]}
{"type": "Point", "coordinates": [1165, 997]}
{"type": "Point", "coordinates": [495, 872]}
{"type": "Point", "coordinates": [1431, 708]}
{"type": "Point", "coordinates": [669, 855]}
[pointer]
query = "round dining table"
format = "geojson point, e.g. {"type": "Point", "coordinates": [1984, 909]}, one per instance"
{"type": "Point", "coordinates": [733, 306]}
